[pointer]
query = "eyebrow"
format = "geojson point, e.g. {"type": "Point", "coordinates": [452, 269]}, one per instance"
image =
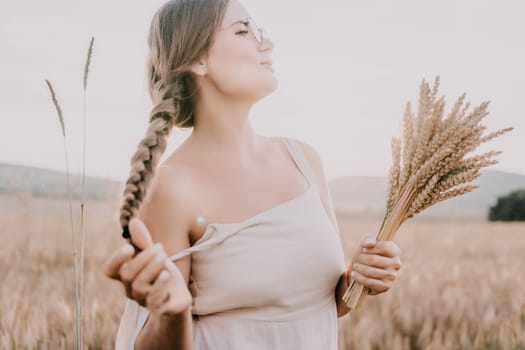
{"type": "Point", "coordinates": [240, 21]}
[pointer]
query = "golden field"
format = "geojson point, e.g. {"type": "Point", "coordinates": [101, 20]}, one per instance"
{"type": "Point", "coordinates": [461, 285]}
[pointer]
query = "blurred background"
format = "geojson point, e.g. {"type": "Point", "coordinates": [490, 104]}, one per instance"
{"type": "Point", "coordinates": [346, 70]}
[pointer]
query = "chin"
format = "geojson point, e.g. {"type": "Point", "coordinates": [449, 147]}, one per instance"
{"type": "Point", "coordinates": [268, 89]}
{"type": "Point", "coordinates": [271, 83]}
{"type": "Point", "coordinates": [255, 88]}
{"type": "Point", "coordinates": [266, 85]}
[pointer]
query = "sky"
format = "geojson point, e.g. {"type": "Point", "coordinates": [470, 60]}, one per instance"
{"type": "Point", "coordinates": [346, 70]}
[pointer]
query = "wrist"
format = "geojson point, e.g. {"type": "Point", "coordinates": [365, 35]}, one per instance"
{"type": "Point", "coordinates": [170, 319]}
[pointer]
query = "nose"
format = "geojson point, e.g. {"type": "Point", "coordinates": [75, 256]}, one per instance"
{"type": "Point", "coordinates": [266, 45]}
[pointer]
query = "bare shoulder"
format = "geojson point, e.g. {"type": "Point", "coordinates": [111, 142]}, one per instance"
{"type": "Point", "coordinates": [166, 210]}
{"type": "Point", "coordinates": [166, 213]}
{"type": "Point", "coordinates": [312, 155]}
{"type": "Point", "coordinates": [171, 180]}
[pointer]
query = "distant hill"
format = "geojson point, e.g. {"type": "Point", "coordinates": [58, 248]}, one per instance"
{"type": "Point", "coordinates": [352, 194]}
{"type": "Point", "coordinates": [49, 183]}
{"type": "Point", "coordinates": [368, 194]}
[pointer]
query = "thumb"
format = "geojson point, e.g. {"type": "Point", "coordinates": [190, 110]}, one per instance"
{"type": "Point", "coordinates": [140, 234]}
{"type": "Point", "coordinates": [368, 242]}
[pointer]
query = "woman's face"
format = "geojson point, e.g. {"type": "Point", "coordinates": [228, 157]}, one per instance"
{"type": "Point", "coordinates": [237, 64]}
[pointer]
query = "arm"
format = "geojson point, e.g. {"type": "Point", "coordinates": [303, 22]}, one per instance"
{"type": "Point", "coordinates": [376, 268]}
{"type": "Point", "coordinates": [317, 166]}
{"type": "Point", "coordinates": [166, 332]}
{"type": "Point", "coordinates": [166, 197]}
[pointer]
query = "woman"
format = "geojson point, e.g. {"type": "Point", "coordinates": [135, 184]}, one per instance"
{"type": "Point", "coordinates": [247, 253]}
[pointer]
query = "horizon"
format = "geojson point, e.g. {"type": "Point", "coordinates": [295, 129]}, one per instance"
{"type": "Point", "coordinates": [328, 180]}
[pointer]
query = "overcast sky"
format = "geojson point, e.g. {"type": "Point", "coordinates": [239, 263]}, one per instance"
{"type": "Point", "coordinates": [346, 70]}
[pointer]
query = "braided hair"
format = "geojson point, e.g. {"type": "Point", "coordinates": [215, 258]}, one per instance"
{"type": "Point", "coordinates": [181, 32]}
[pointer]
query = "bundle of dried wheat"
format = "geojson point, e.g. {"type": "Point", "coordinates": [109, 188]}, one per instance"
{"type": "Point", "coordinates": [431, 164]}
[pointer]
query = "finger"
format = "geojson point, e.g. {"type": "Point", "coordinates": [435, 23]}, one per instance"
{"type": "Point", "coordinates": [130, 270]}
{"type": "Point", "coordinates": [113, 265]}
{"type": "Point", "coordinates": [142, 284]}
{"type": "Point", "coordinates": [150, 272]}
{"type": "Point", "coordinates": [368, 242]}
{"type": "Point", "coordinates": [177, 299]}
{"type": "Point", "coordinates": [159, 293]}
{"type": "Point", "coordinates": [375, 260]}
{"type": "Point", "coordinates": [373, 272]}
{"type": "Point", "coordinates": [139, 234]}
{"type": "Point", "coordinates": [372, 292]}
{"type": "Point", "coordinates": [382, 261]}
{"type": "Point", "coordinates": [378, 286]}
{"type": "Point", "coordinates": [385, 248]}
{"type": "Point", "coordinates": [396, 263]}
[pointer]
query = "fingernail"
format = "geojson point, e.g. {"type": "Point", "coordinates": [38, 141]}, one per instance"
{"type": "Point", "coordinates": [163, 275]}
{"type": "Point", "coordinates": [160, 256]}
{"type": "Point", "coordinates": [368, 241]}
{"type": "Point", "coordinates": [127, 249]}
{"type": "Point", "coordinates": [354, 266]}
{"type": "Point", "coordinates": [364, 250]}
{"type": "Point", "coordinates": [352, 274]}
{"type": "Point", "coordinates": [157, 248]}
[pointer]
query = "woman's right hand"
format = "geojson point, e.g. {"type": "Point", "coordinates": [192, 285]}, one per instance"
{"type": "Point", "coordinates": [149, 278]}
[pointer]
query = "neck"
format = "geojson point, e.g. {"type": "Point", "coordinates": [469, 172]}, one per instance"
{"type": "Point", "coordinates": [223, 129]}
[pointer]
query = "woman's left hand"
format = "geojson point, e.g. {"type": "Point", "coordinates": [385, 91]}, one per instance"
{"type": "Point", "coordinates": [375, 265]}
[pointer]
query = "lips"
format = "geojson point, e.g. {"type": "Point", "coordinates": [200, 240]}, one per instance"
{"type": "Point", "coordinates": [266, 62]}
{"type": "Point", "coordinates": [269, 67]}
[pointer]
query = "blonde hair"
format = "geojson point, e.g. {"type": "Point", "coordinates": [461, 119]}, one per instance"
{"type": "Point", "coordinates": [181, 33]}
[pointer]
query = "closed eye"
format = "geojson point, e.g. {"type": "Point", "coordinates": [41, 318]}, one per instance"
{"type": "Point", "coordinates": [244, 24]}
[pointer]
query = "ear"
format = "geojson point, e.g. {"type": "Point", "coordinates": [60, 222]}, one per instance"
{"type": "Point", "coordinates": [199, 68]}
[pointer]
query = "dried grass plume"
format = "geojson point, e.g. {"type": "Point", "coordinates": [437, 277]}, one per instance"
{"type": "Point", "coordinates": [430, 164]}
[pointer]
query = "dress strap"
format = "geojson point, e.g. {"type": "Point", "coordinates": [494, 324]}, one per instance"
{"type": "Point", "coordinates": [300, 159]}
{"type": "Point", "coordinates": [215, 235]}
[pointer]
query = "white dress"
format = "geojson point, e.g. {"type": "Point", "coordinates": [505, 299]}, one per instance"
{"type": "Point", "coordinates": [267, 282]}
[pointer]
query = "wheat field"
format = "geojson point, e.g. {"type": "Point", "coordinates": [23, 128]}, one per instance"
{"type": "Point", "coordinates": [461, 285]}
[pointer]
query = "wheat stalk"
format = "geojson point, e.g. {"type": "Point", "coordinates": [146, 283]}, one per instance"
{"type": "Point", "coordinates": [88, 62]}
{"type": "Point", "coordinates": [73, 235]}
{"type": "Point", "coordinates": [86, 73]}
{"type": "Point", "coordinates": [79, 271]}
{"type": "Point", "coordinates": [431, 163]}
